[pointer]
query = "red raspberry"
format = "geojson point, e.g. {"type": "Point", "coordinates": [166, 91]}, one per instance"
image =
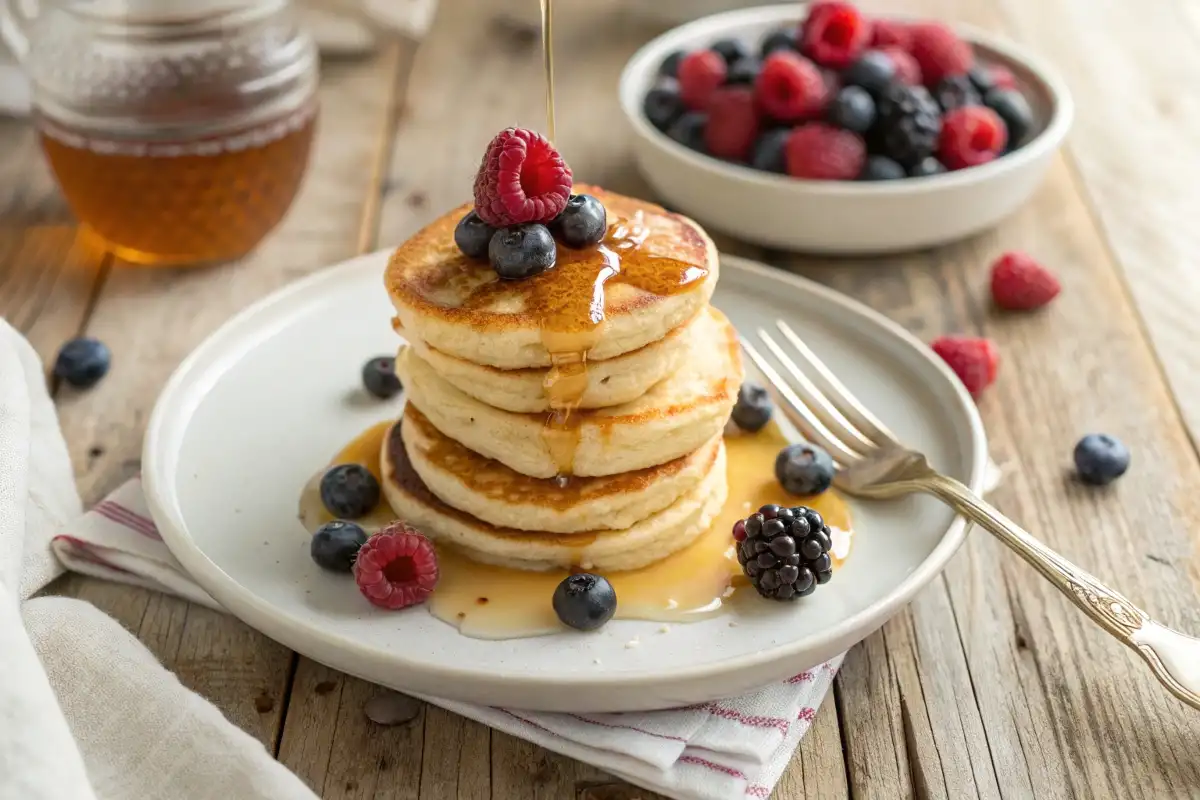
{"type": "Point", "coordinates": [940, 52]}
{"type": "Point", "coordinates": [971, 135]}
{"type": "Point", "coordinates": [732, 123]}
{"type": "Point", "coordinates": [522, 179]}
{"type": "Point", "coordinates": [823, 152]}
{"type": "Point", "coordinates": [908, 71]}
{"type": "Point", "coordinates": [1002, 77]}
{"type": "Point", "coordinates": [1021, 284]}
{"type": "Point", "coordinates": [834, 34]}
{"type": "Point", "coordinates": [973, 360]}
{"type": "Point", "coordinates": [396, 568]}
{"type": "Point", "coordinates": [790, 87]}
{"type": "Point", "coordinates": [700, 74]}
{"type": "Point", "coordinates": [890, 33]}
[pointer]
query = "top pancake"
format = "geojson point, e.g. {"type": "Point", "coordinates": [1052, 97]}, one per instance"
{"type": "Point", "coordinates": [667, 269]}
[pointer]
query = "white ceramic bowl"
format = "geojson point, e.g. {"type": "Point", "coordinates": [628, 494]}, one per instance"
{"type": "Point", "coordinates": [840, 216]}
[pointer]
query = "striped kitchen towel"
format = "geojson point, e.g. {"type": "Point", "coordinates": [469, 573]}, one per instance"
{"type": "Point", "coordinates": [716, 751]}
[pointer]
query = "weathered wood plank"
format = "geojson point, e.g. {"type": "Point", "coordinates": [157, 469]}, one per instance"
{"type": "Point", "coordinates": [818, 772]}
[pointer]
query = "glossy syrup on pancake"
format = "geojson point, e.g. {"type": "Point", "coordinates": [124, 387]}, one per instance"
{"type": "Point", "coordinates": [698, 582]}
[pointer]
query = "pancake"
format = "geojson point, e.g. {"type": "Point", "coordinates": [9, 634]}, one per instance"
{"type": "Point", "coordinates": [609, 383]}
{"type": "Point", "coordinates": [644, 542]}
{"type": "Point", "coordinates": [673, 418]}
{"type": "Point", "coordinates": [495, 494]}
{"type": "Point", "coordinates": [667, 271]}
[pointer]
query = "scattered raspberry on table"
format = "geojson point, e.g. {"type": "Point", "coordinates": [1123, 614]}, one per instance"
{"type": "Point", "coordinates": [1020, 283]}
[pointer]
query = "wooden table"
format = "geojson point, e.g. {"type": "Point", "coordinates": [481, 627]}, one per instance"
{"type": "Point", "coordinates": [990, 684]}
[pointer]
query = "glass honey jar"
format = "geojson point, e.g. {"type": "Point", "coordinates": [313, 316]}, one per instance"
{"type": "Point", "coordinates": [178, 130]}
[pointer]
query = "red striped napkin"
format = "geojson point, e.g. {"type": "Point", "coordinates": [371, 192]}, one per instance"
{"type": "Point", "coordinates": [717, 751]}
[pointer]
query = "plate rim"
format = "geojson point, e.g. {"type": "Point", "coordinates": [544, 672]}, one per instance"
{"type": "Point", "coordinates": [289, 629]}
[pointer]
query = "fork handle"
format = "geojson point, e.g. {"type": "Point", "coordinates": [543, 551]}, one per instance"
{"type": "Point", "coordinates": [1173, 657]}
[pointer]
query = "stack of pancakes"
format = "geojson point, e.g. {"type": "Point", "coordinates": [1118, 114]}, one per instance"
{"type": "Point", "coordinates": [478, 458]}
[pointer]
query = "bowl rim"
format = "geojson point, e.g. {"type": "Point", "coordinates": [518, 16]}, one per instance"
{"type": "Point", "coordinates": [650, 55]}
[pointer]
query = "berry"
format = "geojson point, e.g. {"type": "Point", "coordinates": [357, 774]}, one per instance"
{"type": "Point", "coordinates": [882, 168]}
{"type": "Point", "coordinates": [349, 491]}
{"type": "Point", "coordinates": [790, 87]}
{"type": "Point", "coordinates": [582, 223]}
{"type": "Point", "coordinates": [776, 40]}
{"type": "Point", "coordinates": [768, 152]}
{"type": "Point", "coordinates": [940, 52]}
{"type": "Point", "coordinates": [804, 469]}
{"type": "Point", "coordinates": [784, 552]}
{"type": "Point", "coordinates": [753, 408]}
{"type": "Point", "coordinates": [397, 567]}
{"type": "Point", "coordinates": [1100, 458]}
{"type": "Point", "coordinates": [908, 71]}
{"type": "Point", "coordinates": [954, 92]}
{"type": "Point", "coordinates": [852, 109]}
{"type": "Point", "coordinates": [1002, 77]}
{"type": "Point", "coordinates": [823, 152]}
{"type": "Point", "coordinates": [1020, 284]}
{"type": "Point", "coordinates": [973, 360]}
{"type": "Point", "coordinates": [982, 79]}
{"type": "Point", "coordinates": [834, 34]}
{"type": "Point", "coordinates": [907, 126]}
{"type": "Point", "coordinates": [472, 236]}
{"type": "Point", "coordinates": [744, 72]}
{"type": "Point", "coordinates": [669, 68]}
{"type": "Point", "coordinates": [585, 601]}
{"type": "Point", "coordinates": [971, 136]}
{"type": "Point", "coordinates": [662, 105]}
{"type": "Point", "coordinates": [731, 50]}
{"type": "Point", "coordinates": [688, 130]}
{"type": "Point", "coordinates": [927, 166]}
{"type": "Point", "coordinates": [83, 362]}
{"type": "Point", "coordinates": [379, 377]}
{"type": "Point", "coordinates": [873, 71]}
{"type": "Point", "coordinates": [890, 33]}
{"type": "Point", "coordinates": [1013, 108]}
{"type": "Point", "coordinates": [700, 74]}
{"type": "Point", "coordinates": [336, 544]}
{"type": "Point", "coordinates": [522, 251]}
{"type": "Point", "coordinates": [732, 123]}
{"type": "Point", "coordinates": [522, 178]}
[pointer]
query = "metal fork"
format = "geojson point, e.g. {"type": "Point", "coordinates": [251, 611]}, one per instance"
{"type": "Point", "coordinates": [872, 463]}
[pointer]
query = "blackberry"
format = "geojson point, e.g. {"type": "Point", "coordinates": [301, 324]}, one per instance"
{"type": "Point", "coordinates": [784, 551]}
{"type": "Point", "coordinates": [956, 91]}
{"type": "Point", "coordinates": [908, 122]}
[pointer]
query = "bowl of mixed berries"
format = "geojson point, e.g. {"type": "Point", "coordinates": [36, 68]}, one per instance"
{"type": "Point", "coordinates": [820, 128]}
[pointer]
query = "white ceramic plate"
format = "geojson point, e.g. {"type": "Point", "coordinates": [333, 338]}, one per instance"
{"type": "Point", "coordinates": [270, 397]}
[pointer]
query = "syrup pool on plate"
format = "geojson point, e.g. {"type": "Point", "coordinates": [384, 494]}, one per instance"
{"type": "Point", "coordinates": [698, 582]}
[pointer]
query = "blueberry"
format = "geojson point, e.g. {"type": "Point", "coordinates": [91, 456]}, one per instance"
{"type": "Point", "coordinates": [777, 40]}
{"type": "Point", "coordinates": [873, 71]}
{"type": "Point", "coordinates": [582, 223]}
{"type": "Point", "coordinates": [688, 130]}
{"type": "Point", "coordinates": [349, 491]}
{"type": "Point", "coordinates": [662, 105]}
{"type": "Point", "coordinates": [981, 78]}
{"type": "Point", "coordinates": [380, 379]}
{"type": "Point", "coordinates": [1012, 107]}
{"type": "Point", "coordinates": [731, 50]}
{"type": "Point", "coordinates": [744, 72]}
{"type": "Point", "coordinates": [753, 408]}
{"type": "Point", "coordinates": [585, 601]}
{"type": "Point", "coordinates": [881, 168]}
{"type": "Point", "coordinates": [669, 67]}
{"type": "Point", "coordinates": [83, 362]}
{"type": "Point", "coordinates": [1100, 458]}
{"type": "Point", "coordinates": [956, 91]}
{"type": "Point", "coordinates": [804, 469]}
{"type": "Point", "coordinates": [336, 544]}
{"type": "Point", "coordinates": [472, 236]}
{"type": "Point", "coordinates": [927, 166]}
{"type": "Point", "coordinates": [522, 251]}
{"type": "Point", "coordinates": [768, 152]}
{"type": "Point", "coordinates": [852, 109]}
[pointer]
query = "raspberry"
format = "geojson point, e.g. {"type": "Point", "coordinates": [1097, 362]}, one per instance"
{"type": "Point", "coordinates": [1002, 77]}
{"type": "Point", "coordinates": [939, 52]}
{"type": "Point", "coordinates": [970, 136]}
{"type": "Point", "coordinates": [700, 74]}
{"type": "Point", "coordinates": [790, 87]}
{"type": "Point", "coordinates": [890, 33]}
{"type": "Point", "coordinates": [908, 71]}
{"type": "Point", "coordinates": [732, 123]}
{"type": "Point", "coordinates": [522, 179]}
{"type": "Point", "coordinates": [834, 34]}
{"type": "Point", "coordinates": [823, 152]}
{"type": "Point", "coordinates": [973, 360]}
{"type": "Point", "coordinates": [1020, 284]}
{"type": "Point", "coordinates": [396, 568]}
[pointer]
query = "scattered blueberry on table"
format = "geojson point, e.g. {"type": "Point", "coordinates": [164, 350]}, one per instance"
{"type": "Point", "coordinates": [83, 362]}
{"type": "Point", "coordinates": [585, 601]}
{"type": "Point", "coordinates": [335, 545]}
{"type": "Point", "coordinates": [380, 379]}
{"type": "Point", "coordinates": [804, 469]}
{"type": "Point", "coordinates": [349, 491]}
{"type": "Point", "coordinates": [784, 551]}
{"type": "Point", "coordinates": [1100, 459]}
